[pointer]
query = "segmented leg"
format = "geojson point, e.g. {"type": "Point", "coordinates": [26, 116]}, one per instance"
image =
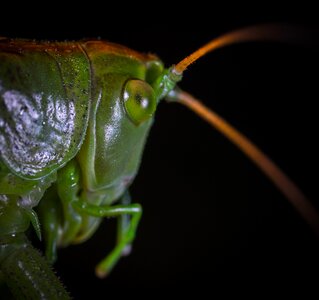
{"type": "Point", "coordinates": [123, 223]}
{"type": "Point", "coordinates": [26, 273]}
{"type": "Point", "coordinates": [61, 223]}
{"type": "Point", "coordinates": [50, 218]}
{"type": "Point", "coordinates": [68, 186]}
{"type": "Point", "coordinates": [126, 232]}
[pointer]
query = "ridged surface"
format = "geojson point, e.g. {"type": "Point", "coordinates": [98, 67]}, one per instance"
{"type": "Point", "coordinates": [29, 277]}
{"type": "Point", "coordinates": [44, 105]}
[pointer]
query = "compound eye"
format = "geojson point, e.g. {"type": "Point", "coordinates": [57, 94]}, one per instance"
{"type": "Point", "coordinates": [139, 100]}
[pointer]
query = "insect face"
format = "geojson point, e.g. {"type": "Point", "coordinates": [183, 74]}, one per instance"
{"type": "Point", "coordinates": [124, 100]}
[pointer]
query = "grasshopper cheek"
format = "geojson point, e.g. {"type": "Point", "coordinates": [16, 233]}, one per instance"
{"type": "Point", "coordinates": [139, 100]}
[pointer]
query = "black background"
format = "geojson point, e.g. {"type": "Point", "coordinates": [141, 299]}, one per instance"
{"type": "Point", "coordinates": [211, 219]}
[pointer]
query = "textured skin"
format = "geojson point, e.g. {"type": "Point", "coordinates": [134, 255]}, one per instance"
{"type": "Point", "coordinates": [29, 276]}
{"type": "Point", "coordinates": [64, 136]}
{"type": "Point", "coordinates": [48, 94]}
{"type": "Point", "coordinates": [44, 91]}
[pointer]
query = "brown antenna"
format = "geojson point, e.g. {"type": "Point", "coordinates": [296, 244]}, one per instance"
{"type": "Point", "coordinates": [265, 32]}
{"type": "Point", "coordinates": [279, 33]}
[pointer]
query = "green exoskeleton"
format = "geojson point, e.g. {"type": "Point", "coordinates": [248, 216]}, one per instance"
{"type": "Point", "coordinates": [74, 119]}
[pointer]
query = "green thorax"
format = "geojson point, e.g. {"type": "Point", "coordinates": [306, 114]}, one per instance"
{"type": "Point", "coordinates": [64, 100]}
{"type": "Point", "coordinates": [44, 91]}
{"type": "Point", "coordinates": [52, 95]}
